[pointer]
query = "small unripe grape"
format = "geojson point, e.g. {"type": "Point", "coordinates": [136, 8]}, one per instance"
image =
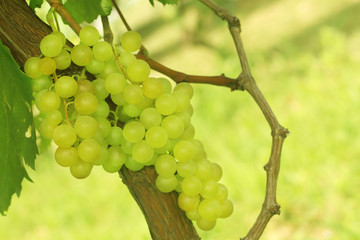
{"type": "Point", "coordinates": [134, 132]}
{"type": "Point", "coordinates": [182, 100]}
{"type": "Point", "coordinates": [115, 160]}
{"type": "Point", "coordinates": [115, 137]}
{"type": "Point", "coordinates": [222, 192]}
{"type": "Point", "coordinates": [227, 208]}
{"type": "Point", "coordinates": [133, 94]}
{"type": "Point", "coordinates": [60, 35]}
{"type": "Point", "coordinates": [47, 65]}
{"type": "Point", "coordinates": [32, 67]}
{"type": "Point", "coordinates": [152, 88]}
{"type": "Point", "coordinates": [210, 189]}
{"type": "Point", "coordinates": [165, 165]}
{"type": "Point", "coordinates": [115, 83]}
{"type": "Point", "coordinates": [165, 104]}
{"type": "Point", "coordinates": [210, 209]}
{"type": "Point", "coordinates": [81, 169]}
{"type": "Point", "coordinates": [132, 164]}
{"type": "Point", "coordinates": [54, 117]}
{"type": "Point", "coordinates": [150, 117]}
{"type": "Point", "coordinates": [66, 87]}
{"type": "Point", "coordinates": [47, 101]}
{"type": "Point", "coordinates": [204, 169]}
{"type": "Point", "coordinates": [104, 155]}
{"type": "Point", "coordinates": [217, 172]}
{"type": "Point", "coordinates": [63, 60]}
{"type": "Point", "coordinates": [51, 45]}
{"type": "Point", "coordinates": [142, 152]}
{"type": "Point", "coordinates": [166, 184]}
{"type": "Point", "coordinates": [186, 87]}
{"type": "Point", "coordinates": [85, 103]}
{"type": "Point", "coordinates": [186, 169]}
{"type": "Point", "coordinates": [205, 225]}
{"type": "Point", "coordinates": [104, 126]}
{"type": "Point", "coordinates": [81, 55]}
{"type": "Point", "coordinates": [188, 203]}
{"type": "Point", "coordinates": [193, 215]}
{"type": "Point", "coordinates": [191, 186]}
{"type": "Point", "coordinates": [66, 156]}
{"type": "Point", "coordinates": [95, 66]}
{"type": "Point", "coordinates": [47, 128]}
{"type": "Point", "coordinates": [89, 150]}
{"type": "Point", "coordinates": [85, 85]}
{"type": "Point", "coordinates": [173, 126]}
{"type": "Point", "coordinates": [138, 71]}
{"type": "Point", "coordinates": [41, 83]}
{"type": "Point", "coordinates": [64, 135]}
{"type": "Point", "coordinates": [110, 67]}
{"type": "Point", "coordinates": [89, 35]}
{"type": "Point", "coordinates": [184, 151]}
{"type": "Point", "coordinates": [86, 126]}
{"type": "Point", "coordinates": [102, 109]}
{"type": "Point", "coordinates": [166, 85]}
{"type": "Point", "coordinates": [100, 90]}
{"type": "Point", "coordinates": [126, 58]}
{"type": "Point", "coordinates": [130, 41]}
{"type": "Point", "coordinates": [156, 136]}
{"type": "Point", "coordinates": [103, 51]}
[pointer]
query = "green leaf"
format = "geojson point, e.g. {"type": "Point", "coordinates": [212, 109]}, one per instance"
{"type": "Point", "coordinates": [88, 10]}
{"type": "Point", "coordinates": [17, 132]}
{"type": "Point", "coordinates": [35, 3]}
{"type": "Point", "coordinates": [164, 2]}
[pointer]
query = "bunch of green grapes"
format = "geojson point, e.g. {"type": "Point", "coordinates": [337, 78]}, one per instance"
{"type": "Point", "coordinates": [156, 120]}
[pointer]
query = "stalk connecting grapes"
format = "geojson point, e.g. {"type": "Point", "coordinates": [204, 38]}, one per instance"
{"type": "Point", "coordinates": [151, 124]}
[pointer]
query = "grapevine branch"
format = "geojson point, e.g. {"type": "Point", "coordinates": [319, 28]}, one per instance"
{"type": "Point", "coordinates": [270, 207]}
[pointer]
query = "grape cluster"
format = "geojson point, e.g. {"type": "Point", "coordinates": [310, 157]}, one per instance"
{"type": "Point", "coordinates": [151, 124]}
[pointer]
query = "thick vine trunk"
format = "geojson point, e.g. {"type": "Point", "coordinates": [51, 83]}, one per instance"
{"type": "Point", "coordinates": [21, 31]}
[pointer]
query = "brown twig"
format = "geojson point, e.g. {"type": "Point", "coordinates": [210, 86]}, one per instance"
{"type": "Point", "coordinates": [59, 8]}
{"type": "Point", "coordinates": [270, 207]}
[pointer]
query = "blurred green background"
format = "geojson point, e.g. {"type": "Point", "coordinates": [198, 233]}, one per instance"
{"type": "Point", "coordinates": [305, 56]}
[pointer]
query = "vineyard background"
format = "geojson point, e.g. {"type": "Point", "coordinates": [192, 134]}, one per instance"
{"type": "Point", "coordinates": [305, 56]}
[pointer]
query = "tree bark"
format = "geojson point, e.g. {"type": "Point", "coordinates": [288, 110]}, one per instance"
{"type": "Point", "coordinates": [21, 31]}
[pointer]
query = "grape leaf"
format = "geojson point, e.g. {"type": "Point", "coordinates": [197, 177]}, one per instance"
{"type": "Point", "coordinates": [17, 132]}
{"type": "Point", "coordinates": [164, 2]}
{"type": "Point", "coordinates": [88, 10]}
{"type": "Point", "coordinates": [35, 3]}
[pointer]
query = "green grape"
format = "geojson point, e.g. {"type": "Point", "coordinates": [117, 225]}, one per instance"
{"type": "Point", "coordinates": [103, 51]}
{"type": "Point", "coordinates": [165, 165]}
{"type": "Point", "coordinates": [150, 117]}
{"type": "Point", "coordinates": [152, 88]}
{"type": "Point", "coordinates": [205, 225]}
{"type": "Point", "coordinates": [54, 117]}
{"type": "Point", "coordinates": [115, 137]}
{"type": "Point", "coordinates": [152, 161]}
{"type": "Point", "coordinates": [132, 94]}
{"type": "Point", "coordinates": [184, 151]}
{"type": "Point", "coordinates": [189, 133]}
{"type": "Point", "coordinates": [182, 100]}
{"type": "Point", "coordinates": [138, 71]}
{"type": "Point", "coordinates": [142, 152]}
{"type": "Point", "coordinates": [102, 110]}
{"type": "Point", "coordinates": [115, 83]}
{"type": "Point", "coordinates": [67, 156]}
{"type": "Point", "coordinates": [95, 66]}
{"type": "Point", "coordinates": [85, 85]}
{"type": "Point", "coordinates": [188, 203]}
{"type": "Point", "coordinates": [209, 209]}
{"type": "Point", "coordinates": [163, 149]}
{"type": "Point", "coordinates": [134, 131]}
{"type": "Point", "coordinates": [100, 90]}
{"type": "Point", "coordinates": [104, 126]}
{"type": "Point", "coordinates": [63, 60]}
{"type": "Point", "coordinates": [227, 208]}
{"type": "Point", "coordinates": [126, 147]}
{"type": "Point", "coordinates": [186, 87]}
{"type": "Point", "coordinates": [51, 45]}
{"type": "Point", "coordinates": [104, 155]}
{"type": "Point", "coordinates": [81, 169]}
{"type": "Point", "coordinates": [89, 35]}
{"type": "Point", "coordinates": [193, 215]}
{"type": "Point", "coordinates": [46, 101]}
{"type": "Point", "coordinates": [47, 65]}
{"type": "Point", "coordinates": [86, 126]}
{"type": "Point", "coordinates": [110, 67]}
{"type": "Point", "coordinates": [32, 67]}
{"type": "Point", "coordinates": [41, 83]}
{"type": "Point", "coordinates": [85, 103]}
{"type": "Point", "coordinates": [47, 128]}
{"type": "Point", "coordinates": [132, 164]}
{"type": "Point", "coordinates": [89, 150]}
{"type": "Point", "coordinates": [60, 35]}
{"type": "Point", "coordinates": [166, 85]}
{"type": "Point", "coordinates": [122, 116]}
{"type": "Point", "coordinates": [166, 184]}
{"type": "Point", "coordinates": [185, 118]}
{"type": "Point", "coordinates": [132, 110]}
{"type": "Point", "coordinates": [217, 172]}
{"type": "Point", "coordinates": [191, 186]}
{"type": "Point", "coordinates": [178, 187]}
{"type": "Point", "coordinates": [204, 169]}
{"type": "Point", "coordinates": [100, 139]}
{"type": "Point", "coordinates": [210, 189]}
{"type": "Point", "coordinates": [186, 169]}
{"type": "Point", "coordinates": [222, 193]}
{"type": "Point", "coordinates": [126, 58]}
{"type": "Point", "coordinates": [145, 103]}
{"type": "Point", "coordinates": [66, 87]}
{"type": "Point", "coordinates": [130, 41]}
{"type": "Point", "coordinates": [115, 161]}
{"type": "Point", "coordinates": [156, 137]}
{"type": "Point", "coordinates": [165, 104]}
{"type": "Point", "coordinates": [118, 99]}
{"type": "Point", "coordinates": [173, 126]}
{"type": "Point", "coordinates": [64, 135]}
{"type": "Point", "coordinates": [81, 55]}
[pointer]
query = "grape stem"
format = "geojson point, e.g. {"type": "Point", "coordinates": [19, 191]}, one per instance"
{"type": "Point", "coordinates": [66, 104]}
